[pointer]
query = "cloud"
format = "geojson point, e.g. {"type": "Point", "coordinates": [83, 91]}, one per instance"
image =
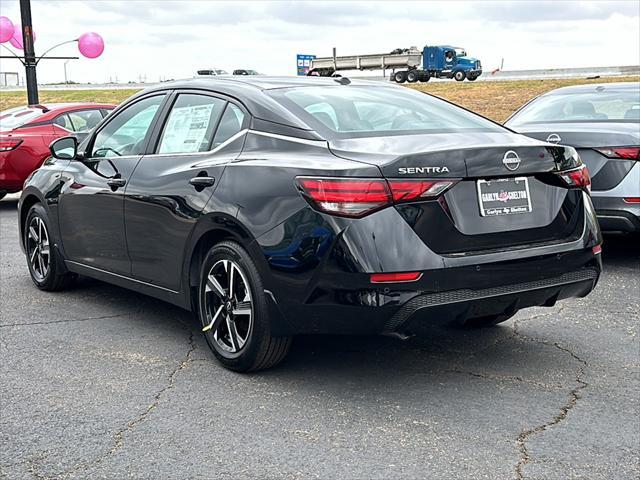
{"type": "Point", "coordinates": [173, 39]}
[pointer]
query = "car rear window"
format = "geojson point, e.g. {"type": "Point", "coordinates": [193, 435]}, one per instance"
{"type": "Point", "coordinates": [351, 111]}
{"type": "Point", "coordinates": [612, 106]}
{"type": "Point", "coordinates": [17, 117]}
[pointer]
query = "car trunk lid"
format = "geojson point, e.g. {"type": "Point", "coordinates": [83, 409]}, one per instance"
{"type": "Point", "coordinates": [506, 195]}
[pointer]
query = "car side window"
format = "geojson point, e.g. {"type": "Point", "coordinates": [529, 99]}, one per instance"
{"type": "Point", "coordinates": [191, 124]}
{"type": "Point", "coordinates": [230, 124]}
{"type": "Point", "coordinates": [64, 121]}
{"type": "Point", "coordinates": [85, 120]}
{"type": "Point", "coordinates": [126, 132]}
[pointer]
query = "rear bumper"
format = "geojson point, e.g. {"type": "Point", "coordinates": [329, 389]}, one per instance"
{"type": "Point", "coordinates": [614, 214]}
{"type": "Point", "coordinates": [349, 304]}
{"type": "Point", "coordinates": [619, 220]}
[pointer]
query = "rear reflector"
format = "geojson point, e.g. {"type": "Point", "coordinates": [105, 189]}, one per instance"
{"type": "Point", "coordinates": [632, 200]}
{"type": "Point", "coordinates": [597, 249]}
{"type": "Point", "coordinates": [577, 178]}
{"type": "Point", "coordinates": [626, 153]}
{"type": "Point", "coordinates": [7, 144]}
{"type": "Point", "coordinates": [395, 277]}
{"type": "Point", "coordinates": [357, 197]}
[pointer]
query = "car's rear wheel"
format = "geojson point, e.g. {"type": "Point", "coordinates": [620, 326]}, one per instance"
{"type": "Point", "coordinates": [488, 321]}
{"type": "Point", "coordinates": [412, 76]}
{"type": "Point", "coordinates": [42, 257]}
{"type": "Point", "coordinates": [234, 313]}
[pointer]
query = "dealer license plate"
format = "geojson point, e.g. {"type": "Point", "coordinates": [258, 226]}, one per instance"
{"type": "Point", "coordinates": [504, 196]}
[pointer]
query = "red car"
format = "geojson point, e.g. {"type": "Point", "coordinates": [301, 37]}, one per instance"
{"type": "Point", "coordinates": [27, 132]}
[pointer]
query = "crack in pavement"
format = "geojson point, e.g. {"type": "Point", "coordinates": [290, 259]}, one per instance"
{"type": "Point", "coordinates": [104, 317]}
{"type": "Point", "coordinates": [505, 378]}
{"type": "Point", "coordinates": [119, 435]}
{"type": "Point", "coordinates": [574, 396]}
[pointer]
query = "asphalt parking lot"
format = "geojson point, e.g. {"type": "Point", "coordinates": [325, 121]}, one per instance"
{"type": "Point", "coordinates": [100, 382]}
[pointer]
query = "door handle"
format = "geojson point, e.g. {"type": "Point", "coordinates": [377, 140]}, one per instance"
{"type": "Point", "coordinates": [116, 183]}
{"type": "Point", "coordinates": [200, 183]}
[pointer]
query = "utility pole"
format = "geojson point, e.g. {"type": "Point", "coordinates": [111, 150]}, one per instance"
{"type": "Point", "coordinates": [65, 71]}
{"type": "Point", "coordinates": [29, 53]}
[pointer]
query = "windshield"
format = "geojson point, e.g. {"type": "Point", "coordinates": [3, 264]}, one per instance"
{"type": "Point", "coordinates": [17, 117]}
{"type": "Point", "coordinates": [351, 111]}
{"type": "Point", "coordinates": [612, 106]}
{"type": "Point", "coordinates": [460, 52]}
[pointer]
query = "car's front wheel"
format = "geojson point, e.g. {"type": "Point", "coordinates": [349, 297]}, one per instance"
{"type": "Point", "coordinates": [233, 311]}
{"type": "Point", "coordinates": [42, 257]}
{"type": "Point", "coordinates": [459, 76]}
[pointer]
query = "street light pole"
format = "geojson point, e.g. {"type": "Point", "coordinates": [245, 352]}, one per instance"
{"type": "Point", "coordinates": [65, 71]}
{"type": "Point", "coordinates": [29, 53]}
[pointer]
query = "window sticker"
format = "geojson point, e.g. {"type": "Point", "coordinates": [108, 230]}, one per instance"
{"type": "Point", "coordinates": [186, 130]}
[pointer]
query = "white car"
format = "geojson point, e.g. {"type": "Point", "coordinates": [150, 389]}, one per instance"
{"type": "Point", "coordinates": [208, 72]}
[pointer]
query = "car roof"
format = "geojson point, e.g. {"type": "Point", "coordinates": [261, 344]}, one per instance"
{"type": "Point", "coordinates": [263, 82]}
{"type": "Point", "coordinates": [595, 87]}
{"type": "Point", "coordinates": [75, 106]}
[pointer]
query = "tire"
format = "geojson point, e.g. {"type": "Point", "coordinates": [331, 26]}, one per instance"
{"type": "Point", "coordinates": [486, 322]}
{"type": "Point", "coordinates": [472, 78]}
{"type": "Point", "coordinates": [400, 77]}
{"type": "Point", "coordinates": [412, 76]}
{"type": "Point", "coordinates": [46, 266]}
{"type": "Point", "coordinates": [424, 76]}
{"type": "Point", "coordinates": [459, 76]}
{"type": "Point", "coordinates": [237, 326]}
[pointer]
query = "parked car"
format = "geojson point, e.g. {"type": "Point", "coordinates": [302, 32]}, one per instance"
{"type": "Point", "coordinates": [211, 72]}
{"type": "Point", "coordinates": [242, 71]}
{"type": "Point", "coordinates": [603, 123]}
{"type": "Point", "coordinates": [274, 207]}
{"type": "Point", "coordinates": [26, 132]}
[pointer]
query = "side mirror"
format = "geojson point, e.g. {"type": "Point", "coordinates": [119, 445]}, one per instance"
{"type": "Point", "coordinates": [64, 148]}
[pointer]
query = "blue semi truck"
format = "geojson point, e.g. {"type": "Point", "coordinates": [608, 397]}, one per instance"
{"type": "Point", "coordinates": [407, 65]}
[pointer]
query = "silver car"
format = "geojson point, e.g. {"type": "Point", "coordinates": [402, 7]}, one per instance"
{"type": "Point", "coordinates": [603, 123]}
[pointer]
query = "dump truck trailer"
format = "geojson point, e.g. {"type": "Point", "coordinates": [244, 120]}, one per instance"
{"type": "Point", "coordinates": [408, 65]}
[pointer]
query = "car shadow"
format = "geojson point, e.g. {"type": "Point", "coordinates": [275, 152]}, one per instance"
{"type": "Point", "coordinates": [7, 204]}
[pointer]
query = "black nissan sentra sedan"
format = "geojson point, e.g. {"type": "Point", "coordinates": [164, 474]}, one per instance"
{"type": "Point", "coordinates": [280, 206]}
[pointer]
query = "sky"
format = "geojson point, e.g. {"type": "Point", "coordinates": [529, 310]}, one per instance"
{"type": "Point", "coordinates": [165, 39]}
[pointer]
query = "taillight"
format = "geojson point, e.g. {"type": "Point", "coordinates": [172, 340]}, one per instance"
{"type": "Point", "coordinates": [576, 178]}
{"type": "Point", "coordinates": [631, 200]}
{"type": "Point", "coordinates": [625, 153]}
{"type": "Point", "coordinates": [7, 144]}
{"type": "Point", "coordinates": [409, 190]}
{"type": "Point", "coordinates": [346, 197]}
{"type": "Point", "coordinates": [357, 197]}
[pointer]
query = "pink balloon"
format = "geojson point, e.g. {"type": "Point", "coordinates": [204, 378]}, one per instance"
{"type": "Point", "coordinates": [91, 45]}
{"type": "Point", "coordinates": [6, 29]}
{"type": "Point", "coordinates": [16, 39]}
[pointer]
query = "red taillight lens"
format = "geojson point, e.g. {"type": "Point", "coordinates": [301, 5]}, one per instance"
{"type": "Point", "coordinates": [346, 197]}
{"type": "Point", "coordinates": [357, 197]}
{"type": "Point", "coordinates": [626, 153]}
{"type": "Point", "coordinates": [395, 277]}
{"type": "Point", "coordinates": [597, 249]}
{"type": "Point", "coordinates": [409, 190]}
{"type": "Point", "coordinates": [577, 178]}
{"type": "Point", "coordinates": [7, 144]}
{"type": "Point", "coordinates": [632, 199]}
